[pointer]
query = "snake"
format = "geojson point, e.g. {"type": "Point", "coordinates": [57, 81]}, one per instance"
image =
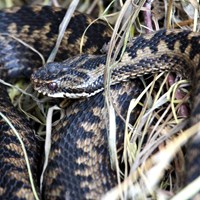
{"type": "Point", "coordinates": [79, 165]}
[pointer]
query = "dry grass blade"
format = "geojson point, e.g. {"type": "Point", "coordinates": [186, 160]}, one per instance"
{"type": "Point", "coordinates": [20, 90]}
{"type": "Point", "coordinates": [196, 14]}
{"type": "Point", "coordinates": [48, 140]}
{"type": "Point", "coordinates": [26, 45]}
{"type": "Point", "coordinates": [169, 14]}
{"type": "Point", "coordinates": [172, 90]}
{"type": "Point", "coordinates": [62, 29]}
{"type": "Point", "coordinates": [188, 191]}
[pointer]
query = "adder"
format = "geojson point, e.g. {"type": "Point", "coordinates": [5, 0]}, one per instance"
{"type": "Point", "coordinates": [79, 165]}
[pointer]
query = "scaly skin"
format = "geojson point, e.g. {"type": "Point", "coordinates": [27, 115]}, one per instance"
{"type": "Point", "coordinates": [177, 51]}
{"type": "Point", "coordinates": [14, 180]}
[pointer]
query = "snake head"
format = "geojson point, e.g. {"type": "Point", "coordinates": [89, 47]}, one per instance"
{"type": "Point", "coordinates": [80, 76]}
{"type": "Point", "coordinates": [45, 80]}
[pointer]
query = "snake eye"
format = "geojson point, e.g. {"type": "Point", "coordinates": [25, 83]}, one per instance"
{"type": "Point", "coordinates": [52, 86]}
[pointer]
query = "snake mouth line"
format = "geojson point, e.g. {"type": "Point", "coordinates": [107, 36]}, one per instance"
{"type": "Point", "coordinates": [74, 95]}
{"type": "Point", "coordinates": [42, 88]}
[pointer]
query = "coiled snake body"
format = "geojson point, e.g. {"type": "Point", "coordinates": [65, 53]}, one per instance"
{"type": "Point", "coordinates": [79, 163]}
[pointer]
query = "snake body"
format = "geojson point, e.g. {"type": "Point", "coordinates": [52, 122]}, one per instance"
{"type": "Point", "coordinates": [81, 169]}
{"type": "Point", "coordinates": [143, 55]}
{"type": "Point", "coordinates": [39, 29]}
{"type": "Point", "coordinates": [176, 50]}
{"type": "Point", "coordinates": [14, 181]}
{"type": "Point", "coordinates": [79, 163]}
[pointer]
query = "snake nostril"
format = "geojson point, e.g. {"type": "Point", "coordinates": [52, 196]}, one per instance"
{"type": "Point", "coordinates": [52, 86]}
